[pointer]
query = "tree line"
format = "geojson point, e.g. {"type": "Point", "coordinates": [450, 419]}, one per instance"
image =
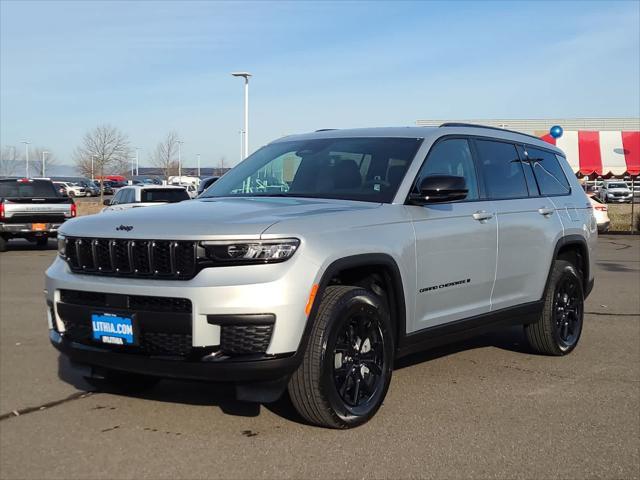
{"type": "Point", "coordinates": [104, 150]}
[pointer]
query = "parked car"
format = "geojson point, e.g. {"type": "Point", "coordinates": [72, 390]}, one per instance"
{"type": "Point", "coordinates": [378, 243]}
{"type": "Point", "coordinates": [600, 211]}
{"type": "Point", "coordinates": [61, 189]}
{"type": "Point", "coordinates": [72, 189]}
{"type": "Point", "coordinates": [91, 189]}
{"type": "Point", "coordinates": [615, 191]}
{"type": "Point", "coordinates": [206, 183]}
{"type": "Point", "coordinates": [145, 196]}
{"type": "Point", "coordinates": [107, 188]}
{"type": "Point", "coordinates": [31, 209]}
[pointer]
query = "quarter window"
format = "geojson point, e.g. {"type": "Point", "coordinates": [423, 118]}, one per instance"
{"type": "Point", "coordinates": [548, 172]}
{"type": "Point", "coordinates": [451, 157]}
{"type": "Point", "coordinates": [502, 169]}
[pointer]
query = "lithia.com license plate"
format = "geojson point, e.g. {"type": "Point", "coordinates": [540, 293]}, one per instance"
{"type": "Point", "coordinates": [113, 329]}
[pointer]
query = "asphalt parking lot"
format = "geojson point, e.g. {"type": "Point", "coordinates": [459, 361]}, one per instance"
{"type": "Point", "coordinates": [486, 408]}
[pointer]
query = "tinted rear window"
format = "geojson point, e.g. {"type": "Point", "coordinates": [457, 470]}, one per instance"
{"type": "Point", "coordinates": [169, 195]}
{"type": "Point", "coordinates": [503, 174]}
{"type": "Point", "coordinates": [549, 175]}
{"type": "Point", "coordinates": [27, 189]}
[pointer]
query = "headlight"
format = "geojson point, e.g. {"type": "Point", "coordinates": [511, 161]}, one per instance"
{"type": "Point", "coordinates": [62, 246]}
{"type": "Point", "coordinates": [224, 252]}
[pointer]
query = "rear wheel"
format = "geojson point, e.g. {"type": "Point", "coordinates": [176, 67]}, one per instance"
{"type": "Point", "coordinates": [558, 329]}
{"type": "Point", "coordinates": [346, 370]}
{"type": "Point", "coordinates": [42, 242]}
{"type": "Point", "coordinates": [3, 244]}
{"type": "Point", "coordinates": [124, 382]}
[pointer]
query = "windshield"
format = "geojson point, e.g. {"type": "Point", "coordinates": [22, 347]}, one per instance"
{"type": "Point", "coordinates": [366, 169]}
{"type": "Point", "coordinates": [27, 189]}
{"type": "Point", "coordinates": [169, 195]}
{"type": "Point", "coordinates": [617, 185]}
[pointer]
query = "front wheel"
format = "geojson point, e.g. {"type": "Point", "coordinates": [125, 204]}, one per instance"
{"type": "Point", "coordinates": [346, 370]}
{"type": "Point", "coordinates": [558, 329]}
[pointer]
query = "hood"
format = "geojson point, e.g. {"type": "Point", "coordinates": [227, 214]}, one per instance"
{"type": "Point", "coordinates": [205, 218]}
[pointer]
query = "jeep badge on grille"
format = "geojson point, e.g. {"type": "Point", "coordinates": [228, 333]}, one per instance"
{"type": "Point", "coordinates": [126, 228]}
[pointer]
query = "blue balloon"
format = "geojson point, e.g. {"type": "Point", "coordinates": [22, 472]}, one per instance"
{"type": "Point", "coordinates": [556, 131]}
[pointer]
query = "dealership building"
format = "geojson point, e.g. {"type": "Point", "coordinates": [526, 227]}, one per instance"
{"type": "Point", "coordinates": [595, 147]}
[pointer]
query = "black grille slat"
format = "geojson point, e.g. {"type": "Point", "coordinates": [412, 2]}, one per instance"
{"type": "Point", "coordinates": [170, 260]}
{"type": "Point", "coordinates": [134, 302]}
{"type": "Point", "coordinates": [158, 343]}
{"type": "Point", "coordinates": [245, 339]}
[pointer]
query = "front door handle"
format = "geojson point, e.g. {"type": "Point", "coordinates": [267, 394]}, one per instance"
{"type": "Point", "coordinates": [545, 211]}
{"type": "Point", "coordinates": [482, 215]}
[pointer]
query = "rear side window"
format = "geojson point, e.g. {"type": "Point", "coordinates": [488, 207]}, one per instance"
{"type": "Point", "coordinates": [27, 189]}
{"type": "Point", "coordinates": [549, 175]}
{"type": "Point", "coordinates": [502, 170]}
{"type": "Point", "coordinates": [169, 195]}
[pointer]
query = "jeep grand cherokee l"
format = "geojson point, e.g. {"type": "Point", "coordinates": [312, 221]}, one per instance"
{"type": "Point", "coordinates": [319, 260]}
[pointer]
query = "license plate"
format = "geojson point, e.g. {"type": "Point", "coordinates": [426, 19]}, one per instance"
{"type": "Point", "coordinates": [112, 329]}
{"type": "Point", "coordinates": [38, 227]}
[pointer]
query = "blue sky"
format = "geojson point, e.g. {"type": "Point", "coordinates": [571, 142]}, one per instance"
{"type": "Point", "coordinates": [151, 67]}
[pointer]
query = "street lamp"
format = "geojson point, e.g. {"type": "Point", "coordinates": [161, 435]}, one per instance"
{"type": "Point", "coordinates": [198, 164]}
{"type": "Point", "coordinates": [179, 142]}
{"type": "Point", "coordinates": [44, 153]}
{"type": "Point", "coordinates": [92, 176]}
{"type": "Point", "coordinates": [26, 148]}
{"type": "Point", "coordinates": [246, 76]}
{"type": "Point", "coordinates": [137, 162]}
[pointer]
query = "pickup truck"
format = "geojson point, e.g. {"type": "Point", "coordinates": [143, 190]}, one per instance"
{"type": "Point", "coordinates": [31, 209]}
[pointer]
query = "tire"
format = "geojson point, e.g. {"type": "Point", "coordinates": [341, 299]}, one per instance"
{"type": "Point", "coordinates": [42, 242]}
{"type": "Point", "coordinates": [352, 329]}
{"type": "Point", "coordinates": [121, 382]}
{"type": "Point", "coordinates": [559, 327]}
{"type": "Point", "coordinates": [3, 244]}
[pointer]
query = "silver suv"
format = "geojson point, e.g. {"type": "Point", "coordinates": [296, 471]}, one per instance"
{"type": "Point", "coordinates": [321, 259]}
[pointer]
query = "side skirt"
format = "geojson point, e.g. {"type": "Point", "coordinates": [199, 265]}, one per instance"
{"type": "Point", "coordinates": [469, 327]}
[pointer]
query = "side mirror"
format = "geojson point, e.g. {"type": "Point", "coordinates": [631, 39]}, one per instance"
{"type": "Point", "coordinates": [440, 188]}
{"type": "Point", "coordinates": [106, 203]}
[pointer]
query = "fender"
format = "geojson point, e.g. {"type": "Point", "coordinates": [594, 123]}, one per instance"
{"type": "Point", "coordinates": [393, 283]}
{"type": "Point", "coordinates": [570, 240]}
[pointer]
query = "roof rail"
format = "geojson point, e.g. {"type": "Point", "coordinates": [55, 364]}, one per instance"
{"type": "Point", "coordinates": [326, 129]}
{"type": "Point", "coordinates": [473, 125]}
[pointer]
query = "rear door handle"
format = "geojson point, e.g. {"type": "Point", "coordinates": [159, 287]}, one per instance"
{"type": "Point", "coordinates": [545, 211]}
{"type": "Point", "coordinates": [482, 215]}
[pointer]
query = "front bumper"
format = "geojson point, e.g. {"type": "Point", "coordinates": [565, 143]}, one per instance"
{"type": "Point", "coordinates": [264, 369]}
{"type": "Point", "coordinates": [613, 199]}
{"type": "Point", "coordinates": [19, 229]}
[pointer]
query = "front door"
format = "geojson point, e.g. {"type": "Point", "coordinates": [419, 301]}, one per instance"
{"type": "Point", "coordinates": [456, 243]}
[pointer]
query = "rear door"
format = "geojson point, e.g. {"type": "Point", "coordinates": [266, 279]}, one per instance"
{"type": "Point", "coordinates": [456, 243]}
{"type": "Point", "coordinates": [527, 224]}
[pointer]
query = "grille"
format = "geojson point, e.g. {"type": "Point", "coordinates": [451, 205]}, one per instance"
{"type": "Point", "coordinates": [245, 339]}
{"type": "Point", "coordinates": [130, 302]}
{"type": "Point", "coordinates": [132, 258]}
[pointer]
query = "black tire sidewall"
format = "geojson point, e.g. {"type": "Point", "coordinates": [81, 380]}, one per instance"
{"type": "Point", "coordinates": [352, 300]}
{"type": "Point", "coordinates": [565, 270]}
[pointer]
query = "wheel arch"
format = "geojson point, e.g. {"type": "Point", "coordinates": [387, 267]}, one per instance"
{"type": "Point", "coordinates": [573, 248]}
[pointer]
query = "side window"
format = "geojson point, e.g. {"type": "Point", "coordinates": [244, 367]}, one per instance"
{"type": "Point", "coordinates": [502, 170]}
{"type": "Point", "coordinates": [548, 172]}
{"type": "Point", "coordinates": [452, 157]}
{"type": "Point", "coordinates": [117, 199]}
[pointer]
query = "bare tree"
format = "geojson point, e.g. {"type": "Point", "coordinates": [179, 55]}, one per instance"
{"type": "Point", "coordinates": [9, 161]}
{"type": "Point", "coordinates": [35, 161]}
{"type": "Point", "coordinates": [104, 150]}
{"type": "Point", "coordinates": [165, 155]}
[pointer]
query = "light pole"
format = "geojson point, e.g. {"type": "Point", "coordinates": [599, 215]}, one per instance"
{"type": "Point", "coordinates": [198, 165]}
{"type": "Point", "coordinates": [92, 176]}
{"type": "Point", "coordinates": [241, 132]}
{"type": "Point", "coordinates": [26, 156]}
{"type": "Point", "coordinates": [179, 142]}
{"type": "Point", "coordinates": [137, 162]}
{"type": "Point", "coordinates": [246, 76]}
{"type": "Point", "coordinates": [44, 153]}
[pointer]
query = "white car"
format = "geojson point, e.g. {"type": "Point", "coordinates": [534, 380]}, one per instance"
{"type": "Point", "coordinates": [72, 189]}
{"type": "Point", "coordinates": [145, 196]}
{"type": "Point", "coordinates": [600, 211]}
{"type": "Point", "coordinates": [615, 192]}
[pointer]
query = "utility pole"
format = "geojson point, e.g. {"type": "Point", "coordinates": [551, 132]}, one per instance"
{"type": "Point", "coordinates": [26, 156]}
{"type": "Point", "coordinates": [44, 153]}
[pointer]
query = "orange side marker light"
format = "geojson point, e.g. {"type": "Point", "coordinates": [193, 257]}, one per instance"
{"type": "Point", "coordinates": [312, 297]}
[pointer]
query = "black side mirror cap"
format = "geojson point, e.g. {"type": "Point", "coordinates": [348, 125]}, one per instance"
{"type": "Point", "coordinates": [440, 188]}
